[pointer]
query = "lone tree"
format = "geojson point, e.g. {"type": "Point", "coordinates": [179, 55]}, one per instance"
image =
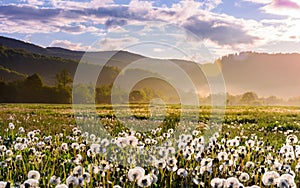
{"type": "Point", "coordinates": [34, 81]}
{"type": "Point", "coordinates": [63, 79]}
{"type": "Point", "coordinates": [249, 98]}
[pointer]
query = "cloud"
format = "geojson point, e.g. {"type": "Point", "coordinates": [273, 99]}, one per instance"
{"type": "Point", "coordinates": [25, 12]}
{"type": "Point", "coordinates": [158, 50]}
{"type": "Point", "coordinates": [66, 4]}
{"type": "Point", "coordinates": [283, 7]}
{"type": "Point", "coordinates": [259, 1]}
{"type": "Point", "coordinates": [68, 45]}
{"type": "Point", "coordinates": [98, 16]}
{"type": "Point", "coordinates": [218, 31]}
{"type": "Point", "coordinates": [211, 4]}
{"type": "Point", "coordinates": [110, 44]}
{"type": "Point", "coordinates": [115, 22]}
{"type": "Point", "coordinates": [31, 19]}
{"type": "Point", "coordinates": [35, 2]}
{"type": "Point", "coordinates": [285, 4]}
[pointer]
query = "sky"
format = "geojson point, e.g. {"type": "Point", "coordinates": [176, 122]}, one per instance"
{"type": "Point", "coordinates": [200, 30]}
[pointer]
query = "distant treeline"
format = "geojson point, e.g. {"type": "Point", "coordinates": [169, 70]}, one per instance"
{"type": "Point", "coordinates": [33, 90]}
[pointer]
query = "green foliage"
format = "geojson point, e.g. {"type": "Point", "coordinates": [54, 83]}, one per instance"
{"type": "Point", "coordinates": [83, 94]}
{"type": "Point", "coordinates": [63, 79]}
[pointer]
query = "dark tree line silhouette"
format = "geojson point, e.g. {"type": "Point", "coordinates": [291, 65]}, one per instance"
{"type": "Point", "coordinates": [33, 90]}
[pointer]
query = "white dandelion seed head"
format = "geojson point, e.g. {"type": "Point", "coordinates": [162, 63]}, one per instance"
{"type": "Point", "coordinates": [31, 183]}
{"type": "Point", "coordinates": [182, 172]}
{"type": "Point", "coordinates": [33, 174]}
{"type": "Point", "coordinates": [136, 173]}
{"type": "Point", "coordinates": [72, 180]}
{"type": "Point", "coordinates": [232, 182]}
{"type": "Point", "coordinates": [244, 177]}
{"type": "Point", "coordinates": [144, 181]}
{"type": "Point", "coordinates": [3, 184]}
{"type": "Point", "coordinates": [217, 183]}
{"type": "Point", "coordinates": [270, 178]}
{"type": "Point", "coordinates": [291, 139]}
{"type": "Point", "coordinates": [11, 126]}
{"type": "Point", "coordinates": [54, 180]}
{"type": "Point", "coordinates": [78, 170]}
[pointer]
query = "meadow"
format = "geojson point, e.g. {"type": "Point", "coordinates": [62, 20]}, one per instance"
{"type": "Point", "coordinates": [41, 146]}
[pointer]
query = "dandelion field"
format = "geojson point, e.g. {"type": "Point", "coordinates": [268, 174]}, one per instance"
{"type": "Point", "coordinates": [41, 146]}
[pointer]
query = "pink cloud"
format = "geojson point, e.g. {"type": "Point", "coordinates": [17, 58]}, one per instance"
{"type": "Point", "coordinates": [286, 4]}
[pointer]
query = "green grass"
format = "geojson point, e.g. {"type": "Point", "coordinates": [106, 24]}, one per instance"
{"type": "Point", "coordinates": [269, 124]}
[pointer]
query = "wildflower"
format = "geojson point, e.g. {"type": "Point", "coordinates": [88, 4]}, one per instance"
{"type": "Point", "coordinates": [30, 134]}
{"type": "Point", "coordinates": [182, 172]}
{"type": "Point", "coordinates": [86, 177]}
{"type": "Point", "coordinates": [104, 165]}
{"type": "Point", "coordinates": [144, 181]}
{"type": "Point", "coordinates": [132, 140]}
{"type": "Point", "coordinates": [198, 181]}
{"type": "Point", "coordinates": [11, 126]}
{"type": "Point", "coordinates": [105, 142]}
{"type": "Point", "coordinates": [64, 147]}
{"type": "Point", "coordinates": [286, 148]}
{"type": "Point", "coordinates": [242, 150]}
{"type": "Point", "coordinates": [171, 161]}
{"type": "Point", "coordinates": [286, 180]}
{"type": "Point", "coordinates": [269, 178]}
{"type": "Point", "coordinates": [222, 156]}
{"type": "Point", "coordinates": [231, 182]}
{"type": "Point", "coordinates": [93, 137]}
{"type": "Point", "coordinates": [72, 181]}
{"type": "Point", "coordinates": [3, 184]}
{"type": "Point", "coordinates": [121, 142]}
{"type": "Point", "coordinates": [297, 168]}
{"type": "Point", "coordinates": [18, 146]}
{"type": "Point", "coordinates": [244, 177]}
{"type": "Point", "coordinates": [75, 146]}
{"type": "Point", "coordinates": [54, 180]}
{"type": "Point", "coordinates": [153, 178]}
{"type": "Point", "coordinates": [136, 173]}
{"type": "Point", "coordinates": [286, 168]}
{"type": "Point", "coordinates": [291, 139]}
{"type": "Point", "coordinates": [171, 150]}
{"type": "Point", "coordinates": [233, 142]}
{"type": "Point", "coordinates": [9, 153]}
{"type": "Point", "coordinates": [217, 183]}
{"type": "Point", "coordinates": [250, 143]}
{"type": "Point", "coordinates": [78, 170]}
{"type": "Point", "coordinates": [33, 174]}
{"type": "Point", "coordinates": [195, 133]}
{"type": "Point", "coordinates": [3, 148]}
{"type": "Point", "coordinates": [206, 162]}
{"type": "Point", "coordinates": [21, 130]}
{"type": "Point", "coordinates": [171, 131]}
{"type": "Point", "coordinates": [172, 168]}
{"type": "Point", "coordinates": [93, 169]}
{"type": "Point", "coordinates": [19, 158]}
{"type": "Point", "coordinates": [160, 164]}
{"type": "Point", "coordinates": [31, 183]}
{"type": "Point", "coordinates": [166, 135]}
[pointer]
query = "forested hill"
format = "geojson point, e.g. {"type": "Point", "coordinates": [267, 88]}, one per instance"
{"type": "Point", "coordinates": [266, 74]}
